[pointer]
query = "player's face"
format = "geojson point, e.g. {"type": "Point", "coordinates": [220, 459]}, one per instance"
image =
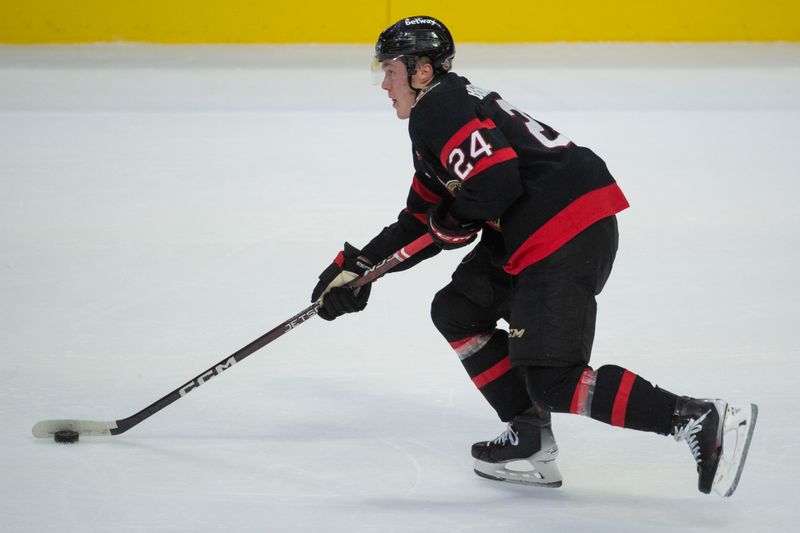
{"type": "Point", "coordinates": [395, 83]}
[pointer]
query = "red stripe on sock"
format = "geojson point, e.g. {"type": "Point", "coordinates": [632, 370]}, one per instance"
{"type": "Point", "coordinates": [458, 344]}
{"type": "Point", "coordinates": [582, 391]}
{"type": "Point", "coordinates": [621, 400]}
{"type": "Point", "coordinates": [486, 377]}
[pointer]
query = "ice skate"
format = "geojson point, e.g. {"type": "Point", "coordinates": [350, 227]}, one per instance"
{"type": "Point", "coordinates": [524, 453]}
{"type": "Point", "coordinates": [719, 438]}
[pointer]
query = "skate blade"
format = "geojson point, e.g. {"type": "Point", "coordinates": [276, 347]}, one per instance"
{"type": "Point", "coordinates": [739, 424]}
{"type": "Point", "coordinates": [523, 471]}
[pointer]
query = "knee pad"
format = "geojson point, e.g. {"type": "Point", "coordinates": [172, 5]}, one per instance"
{"type": "Point", "coordinates": [456, 316]}
{"type": "Point", "coordinates": [442, 306]}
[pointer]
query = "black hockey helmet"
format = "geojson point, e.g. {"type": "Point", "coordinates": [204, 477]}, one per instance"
{"type": "Point", "coordinates": [410, 38]}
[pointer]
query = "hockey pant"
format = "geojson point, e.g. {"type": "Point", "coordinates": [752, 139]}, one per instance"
{"type": "Point", "coordinates": [544, 357]}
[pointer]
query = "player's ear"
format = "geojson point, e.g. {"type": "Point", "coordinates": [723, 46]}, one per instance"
{"type": "Point", "coordinates": [423, 73]}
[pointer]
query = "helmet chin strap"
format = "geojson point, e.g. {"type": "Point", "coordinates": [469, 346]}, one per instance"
{"type": "Point", "coordinates": [411, 68]}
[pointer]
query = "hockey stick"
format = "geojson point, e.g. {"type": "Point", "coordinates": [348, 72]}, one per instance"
{"type": "Point", "coordinates": [48, 428]}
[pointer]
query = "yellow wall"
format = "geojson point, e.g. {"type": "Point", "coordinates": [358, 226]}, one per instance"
{"type": "Point", "coordinates": [306, 21]}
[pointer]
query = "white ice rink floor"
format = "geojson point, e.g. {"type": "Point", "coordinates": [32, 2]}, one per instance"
{"type": "Point", "coordinates": [163, 206]}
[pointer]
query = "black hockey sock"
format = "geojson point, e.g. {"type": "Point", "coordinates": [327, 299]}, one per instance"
{"type": "Point", "coordinates": [485, 358]}
{"type": "Point", "coordinates": [610, 394]}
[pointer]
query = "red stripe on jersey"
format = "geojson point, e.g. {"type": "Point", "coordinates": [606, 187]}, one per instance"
{"type": "Point", "coordinates": [422, 217]}
{"type": "Point", "coordinates": [504, 154]}
{"type": "Point", "coordinates": [559, 230]}
{"type": "Point", "coordinates": [486, 377]}
{"type": "Point", "coordinates": [424, 193]}
{"type": "Point", "coordinates": [621, 400]}
{"type": "Point", "coordinates": [462, 134]}
{"type": "Point", "coordinates": [339, 260]}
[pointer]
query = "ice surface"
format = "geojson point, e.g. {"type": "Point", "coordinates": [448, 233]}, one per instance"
{"type": "Point", "coordinates": [163, 206]}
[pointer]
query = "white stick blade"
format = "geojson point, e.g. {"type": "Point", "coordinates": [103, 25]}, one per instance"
{"type": "Point", "coordinates": [85, 428]}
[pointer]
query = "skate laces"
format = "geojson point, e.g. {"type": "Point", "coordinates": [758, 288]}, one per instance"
{"type": "Point", "coordinates": [689, 434]}
{"type": "Point", "coordinates": [509, 435]}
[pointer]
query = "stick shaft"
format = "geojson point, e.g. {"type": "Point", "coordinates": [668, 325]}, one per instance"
{"type": "Point", "coordinates": [368, 277]}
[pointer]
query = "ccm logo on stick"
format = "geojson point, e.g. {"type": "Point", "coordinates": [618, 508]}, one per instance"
{"type": "Point", "coordinates": [186, 389]}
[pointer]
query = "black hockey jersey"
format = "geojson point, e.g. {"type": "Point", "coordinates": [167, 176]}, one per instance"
{"type": "Point", "coordinates": [532, 187]}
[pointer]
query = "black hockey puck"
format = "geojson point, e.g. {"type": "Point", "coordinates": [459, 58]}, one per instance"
{"type": "Point", "coordinates": [66, 436]}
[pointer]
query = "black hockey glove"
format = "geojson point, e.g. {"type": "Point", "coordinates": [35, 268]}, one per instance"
{"type": "Point", "coordinates": [336, 299]}
{"type": "Point", "coordinates": [447, 232]}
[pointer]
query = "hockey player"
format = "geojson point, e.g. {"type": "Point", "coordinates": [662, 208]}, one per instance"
{"type": "Point", "coordinates": [545, 208]}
